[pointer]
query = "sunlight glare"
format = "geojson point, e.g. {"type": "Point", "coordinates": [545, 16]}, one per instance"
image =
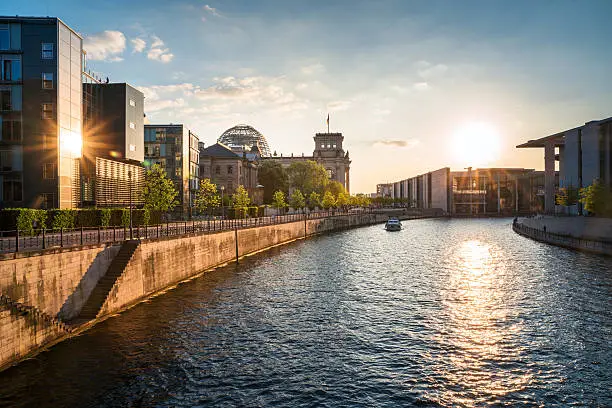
{"type": "Point", "coordinates": [476, 144]}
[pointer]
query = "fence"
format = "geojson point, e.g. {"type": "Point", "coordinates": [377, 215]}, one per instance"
{"type": "Point", "coordinates": [16, 241]}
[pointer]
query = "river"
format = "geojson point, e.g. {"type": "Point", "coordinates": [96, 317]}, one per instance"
{"type": "Point", "coordinates": [443, 313]}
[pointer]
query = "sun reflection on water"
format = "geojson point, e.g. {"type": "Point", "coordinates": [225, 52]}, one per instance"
{"type": "Point", "coordinates": [478, 358]}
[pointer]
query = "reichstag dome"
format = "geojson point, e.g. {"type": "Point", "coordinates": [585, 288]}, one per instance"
{"type": "Point", "coordinates": [242, 137]}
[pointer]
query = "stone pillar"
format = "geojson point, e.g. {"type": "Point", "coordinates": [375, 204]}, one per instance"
{"type": "Point", "coordinates": [549, 177]}
{"type": "Point", "coordinates": [498, 195]}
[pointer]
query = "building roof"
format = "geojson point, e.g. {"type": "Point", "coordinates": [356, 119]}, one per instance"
{"type": "Point", "coordinates": [219, 150]}
{"type": "Point", "coordinates": [558, 139]}
{"type": "Point", "coordinates": [244, 137]}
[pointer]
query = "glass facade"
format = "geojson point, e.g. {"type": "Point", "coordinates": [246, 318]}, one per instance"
{"type": "Point", "coordinates": [69, 114]}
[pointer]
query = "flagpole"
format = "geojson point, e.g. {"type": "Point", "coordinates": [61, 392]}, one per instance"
{"type": "Point", "coordinates": [328, 123]}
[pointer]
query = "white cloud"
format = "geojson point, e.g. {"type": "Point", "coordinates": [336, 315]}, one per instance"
{"type": "Point", "coordinates": [420, 86]}
{"type": "Point", "coordinates": [138, 45]}
{"type": "Point", "coordinates": [157, 51]}
{"type": "Point", "coordinates": [426, 70]}
{"type": "Point", "coordinates": [337, 106]}
{"type": "Point", "coordinates": [211, 10]}
{"type": "Point", "coordinates": [313, 69]}
{"type": "Point", "coordinates": [397, 143]}
{"type": "Point", "coordinates": [105, 46]}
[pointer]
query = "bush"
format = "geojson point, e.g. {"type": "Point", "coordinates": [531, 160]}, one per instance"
{"type": "Point", "coordinates": [105, 217]}
{"type": "Point", "coordinates": [236, 213]}
{"type": "Point", "coordinates": [62, 218]}
{"type": "Point", "coordinates": [23, 219]}
{"type": "Point", "coordinates": [88, 217]}
{"type": "Point", "coordinates": [125, 217]}
{"type": "Point", "coordinates": [253, 212]}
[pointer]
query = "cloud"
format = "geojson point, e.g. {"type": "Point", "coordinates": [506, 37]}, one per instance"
{"type": "Point", "coordinates": [402, 144]}
{"type": "Point", "coordinates": [157, 51]}
{"type": "Point", "coordinates": [420, 86]}
{"type": "Point", "coordinates": [426, 70]}
{"type": "Point", "coordinates": [337, 106]}
{"type": "Point", "coordinates": [313, 69]}
{"type": "Point", "coordinates": [105, 46]}
{"type": "Point", "coordinates": [210, 10]}
{"type": "Point", "coordinates": [138, 45]}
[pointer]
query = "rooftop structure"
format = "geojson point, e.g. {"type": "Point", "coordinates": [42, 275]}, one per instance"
{"type": "Point", "coordinates": [241, 138]}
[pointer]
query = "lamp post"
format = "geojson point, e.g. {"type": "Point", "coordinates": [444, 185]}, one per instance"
{"type": "Point", "coordinates": [222, 206]}
{"type": "Point", "coordinates": [130, 188]}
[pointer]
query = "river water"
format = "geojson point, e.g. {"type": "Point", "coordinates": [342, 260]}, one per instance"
{"type": "Point", "coordinates": [443, 313]}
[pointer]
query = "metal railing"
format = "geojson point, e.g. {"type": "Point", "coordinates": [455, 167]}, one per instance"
{"type": "Point", "coordinates": [568, 241]}
{"type": "Point", "coordinates": [14, 241]}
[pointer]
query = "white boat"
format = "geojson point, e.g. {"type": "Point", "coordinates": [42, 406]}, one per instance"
{"type": "Point", "coordinates": [393, 224]}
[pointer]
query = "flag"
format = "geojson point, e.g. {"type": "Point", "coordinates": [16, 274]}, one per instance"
{"type": "Point", "coordinates": [328, 119]}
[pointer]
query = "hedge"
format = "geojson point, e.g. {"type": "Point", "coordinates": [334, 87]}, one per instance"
{"type": "Point", "coordinates": [28, 220]}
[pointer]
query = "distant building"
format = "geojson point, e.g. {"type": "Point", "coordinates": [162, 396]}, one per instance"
{"type": "Point", "coordinates": [330, 154]}
{"type": "Point", "coordinates": [584, 154]}
{"type": "Point", "coordinates": [41, 113]}
{"type": "Point", "coordinates": [175, 149]}
{"type": "Point", "coordinates": [112, 171]}
{"type": "Point", "coordinates": [470, 192]}
{"type": "Point", "coordinates": [228, 169]}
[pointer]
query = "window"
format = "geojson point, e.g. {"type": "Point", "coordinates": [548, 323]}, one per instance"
{"type": "Point", "coordinates": [218, 170]}
{"type": "Point", "coordinates": [230, 170]}
{"type": "Point", "coordinates": [49, 141]}
{"type": "Point", "coordinates": [132, 126]}
{"type": "Point", "coordinates": [47, 51]}
{"type": "Point", "coordinates": [5, 38]}
{"type": "Point", "coordinates": [177, 172]}
{"type": "Point", "coordinates": [132, 148]}
{"type": "Point", "coordinates": [132, 103]}
{"type": "Point", "coordinates": [47, 111]}
{"type": "Point", "coordinates": [6, 160]}
{"type": "Point", "coordinates": [49, 171]}
{"type": "Point", "coordinates": [47, 80]}
{"type": "Point", "coordinates": [47, 200]}
{"type": "Point", "coordinates": [11, 130]}
{"type": "Point", "coordinates": [5, 99]}
{"type": "Point", "coordinates": [12, 189]}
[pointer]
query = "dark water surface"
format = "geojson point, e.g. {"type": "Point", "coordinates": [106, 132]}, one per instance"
{"type": "Point", "coordinates": [443, 313]}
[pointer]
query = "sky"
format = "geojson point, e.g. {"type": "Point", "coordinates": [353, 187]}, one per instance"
{"type": "Point", "coordinates": [413, 85]}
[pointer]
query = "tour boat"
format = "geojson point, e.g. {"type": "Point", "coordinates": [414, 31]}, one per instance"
{"type": "Point", "coordinates": [393, 224]}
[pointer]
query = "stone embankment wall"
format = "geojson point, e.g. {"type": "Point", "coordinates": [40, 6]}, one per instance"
{"type": "Point", "coordinates": [57, 282]}
{"type": "Point", "coordinates": [572, 232]}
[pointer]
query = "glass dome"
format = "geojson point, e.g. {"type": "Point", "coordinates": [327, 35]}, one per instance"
{"type": "Point", "coordinates": [243, 138]}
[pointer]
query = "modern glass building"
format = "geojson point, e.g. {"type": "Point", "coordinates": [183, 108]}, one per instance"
{"type": "Point", "coordinates": [175, 149]}
{"type": "Point", "coordinates": [41, 113]}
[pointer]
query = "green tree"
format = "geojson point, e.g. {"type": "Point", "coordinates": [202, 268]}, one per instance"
{"type": "Point", "coordinates": [568, 196]}
{"type": "Point", "coordinates": [597, 199]}
{"type": "Point", "coordinates": [328, 200]}
{"type": "Point", "coordinates": [159, 192]}
{"type": "Point", "coordinates": [241, 197]}
{"type": "Point", "coordinates": [207, 197]}
{"type": "Point", "coordinates": [272, 176]}
{"type": "Point", "coordinates": [314, 200]}
{"type": "Point", "coordinates": [297, 200]}
{"type": "Point", "coordinates": [335, 187]}
{"type": "Point", "coordinates": [342, 200]}
{"type": "Point", "coordinates": [307, 176]}
{"type": "Point", "coordinates": [278, 200]}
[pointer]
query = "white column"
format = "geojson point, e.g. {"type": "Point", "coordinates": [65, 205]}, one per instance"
{"type": "Point", "coordinates": [549, 178]}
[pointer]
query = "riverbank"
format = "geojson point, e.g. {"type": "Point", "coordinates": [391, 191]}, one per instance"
{"type": "Point", "coordinates": [586, 234]}
{"type": "Point", "coordinates": [82, 286]}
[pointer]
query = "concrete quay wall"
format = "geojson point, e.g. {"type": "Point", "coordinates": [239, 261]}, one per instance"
{"type": "Point", "coordinates": [557, 234]}
{"type": "Point", "coordinates": [162, 263]}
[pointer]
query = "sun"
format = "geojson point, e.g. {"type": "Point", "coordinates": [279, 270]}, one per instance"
{"type": "Point", "coordinates": [476, 144]}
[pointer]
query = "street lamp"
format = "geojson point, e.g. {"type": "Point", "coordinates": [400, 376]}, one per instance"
{"type": "Point", "coordinates": [130, 187]}
{"type": "Point", "coordinates": [222, 206]}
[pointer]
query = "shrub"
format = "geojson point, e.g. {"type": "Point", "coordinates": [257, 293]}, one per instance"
{"type": "Point", "coordinates": [105, 217]}
{"type": "Point", "coordinates": [125, 217]}
{"type": "Point", "coordinates": [23, 219]}
{"type": "Point", "coordinates": [88, 217]}
{"type": "Point", "coordinates": [62, 218]}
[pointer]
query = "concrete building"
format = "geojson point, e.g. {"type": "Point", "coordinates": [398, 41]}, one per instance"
{"type": "Point", "coordinates": [41, 113]}
{"type": "Point", "coordinates": [112, 172]}
{"type": "Point", "coordinates": [584, 156]}
{"type": "Point", "coordinates": [175, 148]}
{"type": "Point", "coordinates": [228, 169]}
{"type": "Point", "coordinates": [470, 192]}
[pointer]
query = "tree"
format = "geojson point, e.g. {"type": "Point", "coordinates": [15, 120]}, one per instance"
{"type": "Point", "coordinates": [342, 199]}
{"type": "Point", "coordinates": [278, 200]}
{"type": "Point", "coordinates": [159, 192]}
{"type": "Point", "coordinates": [272, 175]}
{"type": "Point", "coordinates": [241, 197]}
{"type": "Point", "coordinates": [568, 196]}
{"type": "Point", "coordinates": [307, 176]}
{"type": "Point", "coordinates": [314, 200]}
{"type": "Point", "coordinates": [297, 200]}
{"type": "Point", "coordinates": [328, 200]}
{"type": "Point", "coordinates": [597, 199]}
{"type": "Point", "coordinates": [207, 197]}
{"type": "Point", "coordinates": [335, 187]}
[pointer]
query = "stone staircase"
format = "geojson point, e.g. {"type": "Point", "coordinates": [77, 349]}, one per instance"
{"type": "Point", "coordinates": [33, 313]}
{"type": "Point", "coordinates": [98, 295]}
